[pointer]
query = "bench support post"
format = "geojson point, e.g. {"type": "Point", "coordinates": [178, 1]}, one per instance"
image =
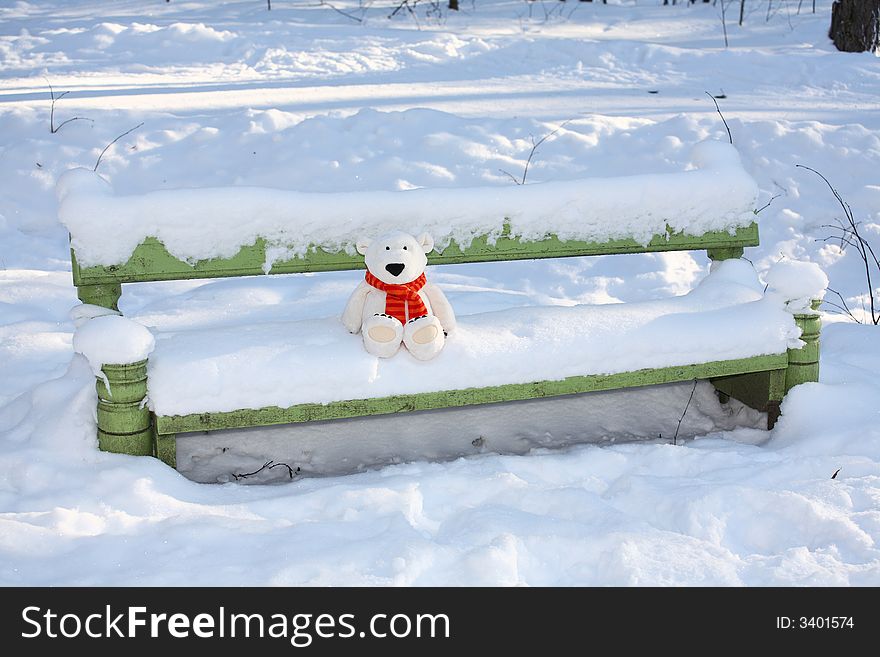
{"type": "Point", "coordinates": [124, 424]}
{"type": "Point", "coordinates": [762, 391]}
{"type": "Point", "coordinates": [165, 448]}
{"type": "Point", "coordinates": [725, 253]}
{"type": "Point", "coordinates": [803, 363]}
{"type": "Point", "coordinates": [105, 295]}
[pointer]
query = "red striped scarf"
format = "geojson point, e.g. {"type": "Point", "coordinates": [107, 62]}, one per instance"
{"type": "Point", "coordinates": [397, 297]}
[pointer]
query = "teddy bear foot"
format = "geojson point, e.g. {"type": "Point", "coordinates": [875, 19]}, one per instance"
{"type": "Point", "coordinates": [382, 335]}
{"type": "Point", "coordinates": [424, 337]}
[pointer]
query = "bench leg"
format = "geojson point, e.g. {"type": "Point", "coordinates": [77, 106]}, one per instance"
{"type": "Point", "coordinates": [775, 395]}
{"type": "Point", "coordinates": [106, 295]}
{"type": "Point", "coordinates": [762, 391]}
{"type": "Point", "coordinates": [124, 424]}
{"type": "Point", "coordinates": [803, 363]}
{"type": "Point", "coordinates": [166, 448]}
{"type": "Point", "coordinates": [724, 253]}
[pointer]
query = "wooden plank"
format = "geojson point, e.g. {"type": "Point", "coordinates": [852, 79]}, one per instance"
{"type": "Point", "coordinates": [152, 262]}
{"type": "Point", "coordinates": [452, 398]}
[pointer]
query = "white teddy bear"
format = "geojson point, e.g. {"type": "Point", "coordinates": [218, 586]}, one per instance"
{"type": "Point", "coordinates": [395, 304]}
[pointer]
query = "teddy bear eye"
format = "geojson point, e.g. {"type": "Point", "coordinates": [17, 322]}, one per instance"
{"type": "Point", "coordinates": [387, 248]}
{"type": "Point", "coordinates": [404, 248]}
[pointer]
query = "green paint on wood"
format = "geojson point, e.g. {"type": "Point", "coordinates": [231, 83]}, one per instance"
{"type": "Point", "coordinates": [762, 391]}
{"type": "Point", "coordinates": [470, 396]}
{"type": "Point", "coordinates": [124, 422]}
{"type": "Point", "coordinates": [152, 262]}
{"type": "Point", "coordinates": [122, 418]}
{"type": "Point", "coordinates": [137, 444]}
{"type": "Point", "coordinates": [777, 385]}
{"type": "Point", "coordinates": [803, 363]}
{"type": "Point", "coordinates": [128, 383]}
{"type": "Point", "coordinates": [755, 389]}
{"type": "Point", "coordinates": [105, 295]}
{"type": "Point", "coordinates": [725, 253]}
{"type": "Point", "coordinates": [166, 449]}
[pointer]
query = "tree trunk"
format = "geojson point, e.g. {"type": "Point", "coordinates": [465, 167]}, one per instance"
{"type": "Point", "coordinates": [855, 25]}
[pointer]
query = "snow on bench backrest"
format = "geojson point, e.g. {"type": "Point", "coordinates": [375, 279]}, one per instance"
{"type": "Point", "coordinates": [199, 224]}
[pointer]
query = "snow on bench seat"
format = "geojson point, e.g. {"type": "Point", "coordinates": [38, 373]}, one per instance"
{"type": "Point", "coordinates": [317, 361]}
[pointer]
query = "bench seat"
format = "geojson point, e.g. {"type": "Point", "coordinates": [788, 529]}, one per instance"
{"type": "Point", "coordinates": [297, 370]}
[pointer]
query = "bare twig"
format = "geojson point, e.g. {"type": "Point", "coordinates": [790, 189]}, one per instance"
{"type": "Point", "coordinates": [512, 177]}
{"type": "Point", "coordinates": [324, 3]}
{"type": "Point", "coordinates": [718, 109]}
{"type": "Point", "coordinates": [535, 146]}
{"type": "Point", "coordinates": [724, 24]}
{"type": "Point", "coordinates": [129, 131]}
{"type": "Point", "coordinates": [405, 4]}
{"type": "Point", "coordinates": [678, 428]}
{"type": "Point", "coordinates": [767, 204]}
{"type": "Point", "coordinates": [851, 236]}
{"type": "Point", "coordinates": [52, 127]}
{"type": "Point", "coordinates": [842, 306]}
{"type": "Point", "coordinates": [268, 465]}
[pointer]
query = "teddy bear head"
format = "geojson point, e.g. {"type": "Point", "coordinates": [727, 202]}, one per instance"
{"type": "Point", "coordinates": [396, 257]}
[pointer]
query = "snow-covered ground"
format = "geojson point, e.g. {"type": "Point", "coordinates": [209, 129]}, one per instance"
{"type": "Point", "coordinates": [305, 99]}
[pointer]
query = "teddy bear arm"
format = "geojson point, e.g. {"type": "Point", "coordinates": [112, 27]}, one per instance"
{"type": "Point", "coordinates": [352, 316]}
{"type": "Point", "coordinates": [441, 307]}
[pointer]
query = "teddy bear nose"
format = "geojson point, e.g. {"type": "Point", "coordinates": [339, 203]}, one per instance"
{"type": "Point", "coordinates": [395, 268]}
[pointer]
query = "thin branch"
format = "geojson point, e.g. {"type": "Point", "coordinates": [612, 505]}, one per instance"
{"type": "Point", "coordinates": [512, 177]}
{"type": "Point", "coordinates": [267, 465]}
{"type": "Point", "coordinates": [851, 236]}
{"type": "Point", "coordinates": [245, 475]}
{"type": "Point", "coordinates": [413, 13]}
{"type": "Point", "coordinates": [767, 204]}
{"type": "Point", "coordinates": [75, 118]}
{"type": "Point", "coordinates": [52, 127]}
{"type": "Point", "coordinates": [290, 471]}
{"type": "Point", "coordinates": [724, 24]}
{"type": "Point", "coordinates": [324, 3]}
{"type": "Point", "coordinates": [127, 132]}
{"type": "Point", "coordinates": [678, 428]}
{"type": "Point", "coordinates": [844, 308]}
{"type": "Point", "coordinates": [843, 240]}
{"type": "Point", "coordinates": [535, 146]}
{"type": "Point", "coordinates": [397, 9]}
{"type": "Point", "coordinates": [718, 109]}
{"type": "Point", "coordinates": [871, 251]}
{"type": "Point", "coordinates": [404, 4]}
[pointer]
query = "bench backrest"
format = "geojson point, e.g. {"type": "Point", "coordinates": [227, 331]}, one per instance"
{"type": "Point", "coordinates": [178, 234]}
{"type": "Point", "coordinates": [152, 262]}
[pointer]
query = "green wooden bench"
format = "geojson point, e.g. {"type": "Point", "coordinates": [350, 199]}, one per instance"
{"type": "Point", "coordinates": [127, 425]}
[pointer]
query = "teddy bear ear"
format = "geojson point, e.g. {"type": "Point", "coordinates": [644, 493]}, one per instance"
{"type": "Point", "coordinates": [363, 243]}
{"type": "Point", "coordinates": [426, 242]}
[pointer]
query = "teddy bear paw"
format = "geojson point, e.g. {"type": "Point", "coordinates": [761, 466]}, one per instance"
{"type": "Point", "coordinates": [382, 335]}
{"type": "Point", "coordinates": [384, 328]}
{"type": "Point", "coordinates": [424, 337]}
